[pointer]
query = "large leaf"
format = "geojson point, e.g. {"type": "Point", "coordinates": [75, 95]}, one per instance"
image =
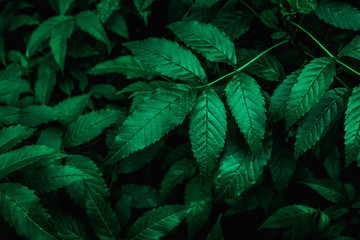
{"type": "Point", "coordinates": [157, 222]}
{"type": "Point", "coordinates": [207, 130]}
{"type": "Point", "coordinates": [159, 113]}
{"type": "Point", "coordinates": [128, 65]}
{"type": "Point", "coordinates": [352, 49]}
{"type": "Point", "coordinates": [12, 135]}
{"type": "Point", "coordinates": [312, 83]}
{"type": "Point", "coordinates": [88, 126]}
{"type": "Point", "coordinates": [206, 39]}
{"type": "Point", "coordinates": [168, 58]}
{"type": "Point", "coordinates": [247, 105]}
{"type": "Point", "coordinates": [59, 36]}
{"type": "Point", "coordinates": [352, 128]}
{"type": "Point", "coordinates": [234, 24]}
{"type": "Point", "coordinates": [338, 13]}
{"type": "Point", "coordinates": [240, 168]}
{"type": "Point", "coordinates": [20, 207]}
{"type": "Point", "coordinates": [319, 120]}
{"type": "Point", "coordinates": [21, 157]}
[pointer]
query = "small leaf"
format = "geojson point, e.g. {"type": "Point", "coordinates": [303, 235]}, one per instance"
{"type": "Point", "coordinates": [88, 126]}
{"type": "Point", "coordinates": [158, 113]}
{"type": "Point", "coordinates": [216, 232]}
{"type": "Point", "coordinates": [155, 223]}
{"type": "Point", "coordinates": [64, 5]}
{"type": "Point", "coordinates": [128, 65]}
{"type": "Point", "coordinates": [105, 8]}
{"type": "Point", "coordinates": [207, 130]}
{"type": "Point", "coordinates": [247, 105]}
{"type": "Point", "coordinates": [352, 49]}
{"type": "Point", "coordinates": [312, 83]}
{"type": "Point", "coordinates": [206, 39]}
{"type": "Point", "coordinates": [46, 80]}
{"type": "Point", "coordinates": [339, 14]}
{"type": "Point", "coordinates": [11, 136]}
{"type": "Point", "coordinates": [168, 58]}
{"type": "Point", "coordinates": [303, 6]}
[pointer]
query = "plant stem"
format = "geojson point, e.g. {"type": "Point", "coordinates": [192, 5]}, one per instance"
{"type": "Point", "coordinates": [250, 8]}
{"type": "Point", "coordinates": [245, 65]}
{"type": "Point", "coordinates": [347, 66]}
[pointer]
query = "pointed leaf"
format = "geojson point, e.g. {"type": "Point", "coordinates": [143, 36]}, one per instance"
{"type": "Point", "coordinates": [69, 227]}
{"type": "Point", "coordinates": [128, 65]}
{"type": "Point", "coordinates": [59, 36]}
{"type": "Point", "coordinates": [21, 157]}
{"type": "Point", "coordinates": [247, 105]}
{"type": "Point", "coordinates": [117, 24]}
{"type": "Point", "coordinates": [105, 8]}
{"type": "Point", "coordinates": [64, 5]}
{"type": "Point", "coordinates": [36, 115]}
{"type": "Point", "coordinates": [9, 115]}
{"type": "Point", "coordinates": [159, 113]}
{"type": "Point", "coordinates": [20, 207]}
{"type": "Point", "coordinates": [207, 130]}
{"type": "Point", "coordinates": [206, 39]}
{"type": "Point", "coordinates": [46, 80]}
{"type": "Point", "coordinates": [352, 49]}
{"type": "Point", "coordinates": [312, 83]}
{"type": "Point", "coordinates": [71, 108]}
{"type": "Point", "coordinates": [338, 13]}
{"type": "Point", "coordinates": [11, 136]}
{"type": "Point", "coordinates": [168, 58]}
{"type": "Point", "coordinates": [216, 232]}
{"type": "Point", "coordinates": [155, 223]}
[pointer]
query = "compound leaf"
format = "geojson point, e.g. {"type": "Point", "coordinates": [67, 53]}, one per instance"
{"type": "Point", "coordinates": [339, 14]}
{"type": "Point", "coordinates": [312, 83]}
{"type": "Point", "coordinates": [207, 130]}
{"type": "Point", "coordinates": [20, 207]}
{"type": "Point", "coordinates": [156, 115]}
{"type": "Point", "coordinates": [206, 39]}
{"type": "Point", "coordinates": [88, 126]}
{"type": "Point", "coordinates": [168, 58]}
{"type": "Point", "coordinates": [155, 223]}
{"type": "Point", "coordinates": [247, 105]}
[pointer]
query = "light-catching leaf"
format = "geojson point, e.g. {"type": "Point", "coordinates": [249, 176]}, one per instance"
{"type": "Point", "coordinates": [128, 65]}
{"type": "Point", "coordinates": [58, 41]}
{"type": "Point", "coordinates": [12, 135]}
{"type": "Point", "coordinates": [21, 157]}
{"type": "Point", "coordinates": [318, 121]}
{"type": "Point", "coordinates": [88, 126]}
{"type": "Point", "coordinates": [207, 130]}
{"type": "Point", "coordinates": [312, 83]}
{"type": "Point", "coordinates": [338, 13]}
{"type": "Point", "coordinates": [352, 128]}
{"type": "Point", "coordinates": [247, 105]}
{"type": "Point", "coordinates": [20, 207]}
{"type": "Point", "coordinates": [159, 113]}
{"type": "Point", "coordinates": [206, 39]}
{"type": "Point", "coordinates": [155, 223]}
{"type": "Point", "coordinates": [168, 58]}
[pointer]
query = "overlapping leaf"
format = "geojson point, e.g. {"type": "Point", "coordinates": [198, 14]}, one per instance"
{"type": "Point", "coordinates": [312, 83]}
{"type": "Point", "coordinates": [168, 58]}
{"type": "Point", "coordinates": [12, 135]}
{"type": "Point", "coordinates": [207, 130]}
{"type": "Point", "coordinates": [352, 49]}
{"type": "Point", "coordinates": [247, 105]}
{"type": "Point", "coordinates": [71, 107]}
{"type": "Point", "coordinates": [159, 113]}
{"type": "Point", "coordinates": [205, 39]}
{"type": "Point", "coordinates": [70, 228]}
{"type": "Point", "coordinates": [318, 121]}
{"type": "Point", "coordinates": [338, 13]}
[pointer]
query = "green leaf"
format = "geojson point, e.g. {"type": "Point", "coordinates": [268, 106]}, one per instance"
{"type": "Point", "coordinates": [70, 228]}
{"type": "Point", "coordinates": [207, 130]}
{"type": "Point", "coordinates": [142, 5]}
{"type": "Point", "coordinates": [89, 23]}
{"type": "Point", "coordinates": [177, 173]}
{"type": "Point", "coordinates": [206, 39]}
{"type": "Point", "coordinates": [128, 65]}
{"type": "Point", "coordinates": [281, 95]}
{"type": "Point", "coordinates": [43, 32]}
{"type": "Point", "coordinates": [312, 83]}
{"type": "Point", "coordinates": [168, 58]}
{"type": "Point", "coordinates": [9, 115]}
{"type": "Point", "coordinates": [216, 232]}
{"type": "Point", "coordinates": [247, 105]}
{"type": "Point", "coordinates": [36, 115]}
{"type": "Point", "coordinates": [155, 223]}
{"type": "Point", "coordinates": [88, 126]}
{"type": "Point", "coordinates": [59, 36]}
{"type": "Point", "coordinates": [267, 67]}
{"type": "Point", "coordinates": [339, 14]}
{"type": "Point", "coordinates": [286, 216]}
{"type": "Point", "coordinates": [303, 6]}
{"type": "Point", "coordinates": [320, 119]}
{"type": "Point", "coordinates": [52, 177]}
{"type": "Point", "coordinates": [142, 196]}
{"type": "Point", "coordinates": [64, 5]}
{"type": "Point", "coordinates": [71, 108]}
{"type": "Point", "coordinates": [203, 4]}
{"type": "Point", "coordinates": [46, 80]}
{"type": "Point", "coordinates": [102, 218]}
{"type": "Point", "coordinates": [233, 24]}
{"type": "Point", "coordinates": [352, 128]}
{"type": "Point", "coordinates": [105, 8]}
{"type": "Point", "coordinates": [352, 49]}
{"type": "Point", "coordinates": [51, 137]}
{"type": "Point", "coordinates": [21, 157]}
{"type": "Point", "coordinates": [20, 207]}
{"type": "Point", "coordinates": [117, 24]}
{"type": "Point", "coordinates": [240, 168]}
{"type": "Point", "coordinates": [12, 135]}
{"type": "Point", "coordinates": [159, 113]}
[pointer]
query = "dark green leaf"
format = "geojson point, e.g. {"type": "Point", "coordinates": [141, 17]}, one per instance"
{"type": "Point", "coordinates": [11, 136]}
